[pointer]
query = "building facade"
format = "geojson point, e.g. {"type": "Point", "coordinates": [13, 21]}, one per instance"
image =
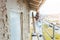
{"type": "Point", "coordinates": [9, 9]}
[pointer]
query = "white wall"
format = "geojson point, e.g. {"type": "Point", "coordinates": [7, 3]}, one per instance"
{"type": "Point", "coordinates": [14, 19]}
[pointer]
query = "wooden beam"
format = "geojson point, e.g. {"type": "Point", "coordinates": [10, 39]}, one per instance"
{"type": "Point", "coordinates": [35, 1]}
{"type": "Point", "coordinates": [31, 4]}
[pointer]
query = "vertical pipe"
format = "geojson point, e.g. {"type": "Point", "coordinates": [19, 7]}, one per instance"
{"type": "Point", "coordinates": [21, 23]}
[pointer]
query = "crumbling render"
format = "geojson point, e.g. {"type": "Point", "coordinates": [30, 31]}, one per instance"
{"type": "Point", "coordinates": [4, 28]}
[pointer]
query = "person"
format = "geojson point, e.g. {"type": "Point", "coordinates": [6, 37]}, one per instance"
{"type": "Point", "coordinates": [37, 16]}
{"type": "Point", "coordinates": [38, 24]}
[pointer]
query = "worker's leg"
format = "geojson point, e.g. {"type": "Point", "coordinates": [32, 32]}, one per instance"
{"type": "Point", "coordinates": [38, 26]}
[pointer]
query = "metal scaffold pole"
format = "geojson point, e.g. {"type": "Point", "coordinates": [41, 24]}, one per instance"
{"type": "Point", "coordinates": [33, 22]}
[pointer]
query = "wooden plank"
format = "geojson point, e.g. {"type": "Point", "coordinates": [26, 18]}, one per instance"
{"type": "Point", "coordinates": [35, 2]}
{"type": "Point", "coordinates": [32, 4]}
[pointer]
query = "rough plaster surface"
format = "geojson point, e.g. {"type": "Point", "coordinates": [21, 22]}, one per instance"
{"type": "Point", "coordinates": [4, 28]}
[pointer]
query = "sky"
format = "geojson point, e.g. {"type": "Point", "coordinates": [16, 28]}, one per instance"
{"type": "Point", "coordinates": [50, 7]}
